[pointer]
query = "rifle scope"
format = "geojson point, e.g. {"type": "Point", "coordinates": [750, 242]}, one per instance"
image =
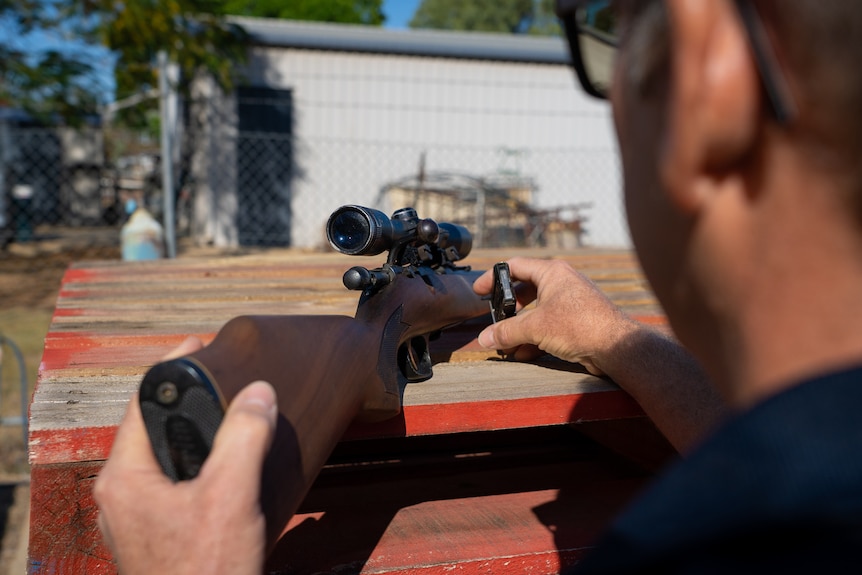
{"type": "Point", "coordinates": [360, 231]}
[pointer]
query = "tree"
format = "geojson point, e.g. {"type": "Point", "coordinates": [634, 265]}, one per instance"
{"type": "Point", "coordinates": [198, 37]}
{"type": "Point", "coordinates": [62, 80]}
{"type": "Point", "coordinates": [508, 16]}
{"type": "Point", "coordinates": [367, 12]}
{"type": "Point", "coordinates": [35, 74]}
{"type": "Point", "coordinates": [195, 34]}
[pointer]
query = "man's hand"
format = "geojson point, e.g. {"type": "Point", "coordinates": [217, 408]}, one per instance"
{"type": "Point", "coordinates": [574, 321]}
{"type": "Point", "coordinates": [571, 320]}
{"type": "Point", "coordinates": [211, 524]}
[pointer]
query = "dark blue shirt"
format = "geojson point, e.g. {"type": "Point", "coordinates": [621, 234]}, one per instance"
{"type": "Point", "coordinates": [777, 489]}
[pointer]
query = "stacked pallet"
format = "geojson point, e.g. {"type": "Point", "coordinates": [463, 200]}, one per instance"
{"type": "Point", "coordinates": [479, 472]}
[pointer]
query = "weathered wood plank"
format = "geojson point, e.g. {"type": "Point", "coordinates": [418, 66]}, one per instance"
{"type": "Point", "coordinates": [113, 320]}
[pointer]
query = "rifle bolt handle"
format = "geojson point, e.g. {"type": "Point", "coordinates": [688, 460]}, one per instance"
{"type": "Point", "coordinates": [360, 278]}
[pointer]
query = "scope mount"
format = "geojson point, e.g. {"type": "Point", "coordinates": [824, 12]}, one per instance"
{"type": "Point", "coordinates": [415, 246]}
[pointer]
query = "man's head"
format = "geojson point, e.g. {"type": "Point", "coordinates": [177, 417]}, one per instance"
{"type": "Point", "coordinates": [811, 45]}
{"type": "Point", "coordinates": [739, 127]}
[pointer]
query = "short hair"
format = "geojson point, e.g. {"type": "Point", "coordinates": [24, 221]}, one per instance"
{"type": "Point", "coordinates": [819, 44]}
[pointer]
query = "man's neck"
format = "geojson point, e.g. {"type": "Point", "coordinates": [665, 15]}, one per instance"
{"type": "Point", "coordinates": [790, 268]}
{"type": "Point", "coordinates": [802, 329]}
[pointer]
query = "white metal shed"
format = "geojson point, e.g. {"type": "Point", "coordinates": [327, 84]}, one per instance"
{"type": "Point", "coordinates": [352, 108]}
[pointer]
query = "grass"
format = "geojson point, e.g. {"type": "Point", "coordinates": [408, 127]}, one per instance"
{"type": "Point", "coordinates": [27, 329]}
{"type": "Point", "coordinates": [30, 277]}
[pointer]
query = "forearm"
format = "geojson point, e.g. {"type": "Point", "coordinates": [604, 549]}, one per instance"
{"type": "Point", "coordinates": [667, 382]}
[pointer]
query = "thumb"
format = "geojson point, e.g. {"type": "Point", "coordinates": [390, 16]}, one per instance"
{"type": "Point", "coordinates": [487, 338]}
{"type": "Point", "coordinates": [505, 334]}
{"type": "Point", "coordinates": [515, 337]}
{"type": "Point", "coordinates": [244, 437]}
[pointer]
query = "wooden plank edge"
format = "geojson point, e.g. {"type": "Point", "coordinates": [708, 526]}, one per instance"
{"type": "Point", "coordinates": [54, 446]}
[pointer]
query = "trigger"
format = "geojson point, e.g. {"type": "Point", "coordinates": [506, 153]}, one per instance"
{"type": "Point", "coordinates": [414, 359]}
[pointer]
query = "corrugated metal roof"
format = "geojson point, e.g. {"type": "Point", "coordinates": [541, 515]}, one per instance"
{"type": "Point", "coordinates": [439, 43]}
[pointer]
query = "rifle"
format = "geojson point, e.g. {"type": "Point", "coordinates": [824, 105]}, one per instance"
{"type": "Point", "coordinates": [328, 370]}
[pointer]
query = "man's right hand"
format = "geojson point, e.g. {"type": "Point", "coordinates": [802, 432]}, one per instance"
{"type": "Point", "coordinates": [576, 322]}
{"type": "Point", "coordinates": [571, 320]}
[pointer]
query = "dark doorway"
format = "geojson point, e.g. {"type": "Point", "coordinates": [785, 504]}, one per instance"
{"type": "Point", "coordinates": [264, 166]}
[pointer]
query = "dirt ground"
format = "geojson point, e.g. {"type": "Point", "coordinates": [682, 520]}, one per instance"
{"type": "Point", "coordinates": [30, 276]}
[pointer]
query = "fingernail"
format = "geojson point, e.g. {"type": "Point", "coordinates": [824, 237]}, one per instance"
{"type": "Point", "coordinates": [486, 339]}
{"type": "Point", "coordinates": [259, 394]}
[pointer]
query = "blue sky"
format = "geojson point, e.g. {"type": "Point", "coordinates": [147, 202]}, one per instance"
{"type": "Point", "coordinates": [399, 12]}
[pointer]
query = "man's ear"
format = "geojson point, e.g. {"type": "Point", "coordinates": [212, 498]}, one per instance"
{"type": "Point", "coordinates": [714, 99]}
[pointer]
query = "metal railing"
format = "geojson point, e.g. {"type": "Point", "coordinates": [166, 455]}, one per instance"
{"type": "Point", "coordinates": [22, 370]}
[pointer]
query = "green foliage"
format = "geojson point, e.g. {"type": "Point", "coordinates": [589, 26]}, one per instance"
{"type": "Point", "coordinates": [60, 82]}
{"type": "Point", "coordinates": [507, 16]}
{"type": "Point", "coordinates": [49, 86]}
{"type": "Point", "coordinates": [368, 12]}
{"type": "Point", "coordinates": [47, 83]}
{"type": "Point", "coordinates": [194, 33]}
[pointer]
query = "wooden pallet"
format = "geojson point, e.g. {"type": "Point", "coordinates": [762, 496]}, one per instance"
{"type": "Point", "coordinates": [482, 472]}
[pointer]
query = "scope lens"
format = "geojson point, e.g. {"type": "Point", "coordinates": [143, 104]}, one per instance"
{"type": "Point", "coordinates": [349, 231]}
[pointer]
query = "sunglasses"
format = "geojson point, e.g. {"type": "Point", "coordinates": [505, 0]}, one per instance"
{"type": "Point", "coordinates": [593, 31]}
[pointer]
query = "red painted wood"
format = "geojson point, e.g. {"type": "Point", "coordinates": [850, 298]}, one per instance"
{"type": "Point", "coordinates": [79, 275]}
{"type": "Point", "coordinates": [65, 350]}
{"type": "Point", "coordinates": [532, 517]}
{"type": "Point", "coordinates": [500, 520]}
{"type": "Point", "coordinates": [64, 537]}
{"type": "Point", "coordinates": [94, 443]}
{"type": "Point", "coordinates": [76, 445]}
{"type": "Point", "coordinates": [502, 414]}
{"type": "Point", "coordinates": [492, 534]}
{"type": "Point", "coordinates": [104, 328]}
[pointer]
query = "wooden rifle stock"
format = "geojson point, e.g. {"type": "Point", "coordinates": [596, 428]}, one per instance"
{"type": "Point", "coordinates": [328, 371]}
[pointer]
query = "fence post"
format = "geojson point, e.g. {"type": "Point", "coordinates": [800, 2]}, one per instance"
{"type": "Point", "coordinates": [168, 118]}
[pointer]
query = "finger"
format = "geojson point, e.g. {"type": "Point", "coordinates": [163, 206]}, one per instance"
{"type": "Point", "coordinates": [244, 437]}
{"type": "Point", "coordinates": [189, 345]}
{"type": "Point", "coordinates": [527, 352]}
{"type": "Point", "coordinates": [525, 289]}
{"type": "Point", "coordinates": [105, 529]}
{"type": "Point", "coordinates": [531, 270]}
{"type": "Point", "coordinates": [131, 448]}
{"type": "Point", "coordinates": [528, 273]}
{"type": "Point", "coordinates": [525, 293]}
{"type": "Point", "coordinates": [484, 284]}
{"type": "Point", "coordinates": [131, 462]}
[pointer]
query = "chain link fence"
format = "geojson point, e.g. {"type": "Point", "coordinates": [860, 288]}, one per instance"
{"type": "Point", "coordinates": [62, 182]}
{"type": "Point", "coordinates": [257, 169]}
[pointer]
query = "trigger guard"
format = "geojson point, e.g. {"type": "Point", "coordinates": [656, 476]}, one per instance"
{"type": "Point", "coordinates": [414, 359]}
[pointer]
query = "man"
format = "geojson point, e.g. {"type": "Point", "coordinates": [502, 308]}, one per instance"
{"type": "Point", "coordinates": [740, 140]}
{"type": "Point", "coordinates": [739, 129]}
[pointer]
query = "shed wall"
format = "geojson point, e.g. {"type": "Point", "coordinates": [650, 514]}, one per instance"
{"type": "Point", "coordinates": [362, 120]}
